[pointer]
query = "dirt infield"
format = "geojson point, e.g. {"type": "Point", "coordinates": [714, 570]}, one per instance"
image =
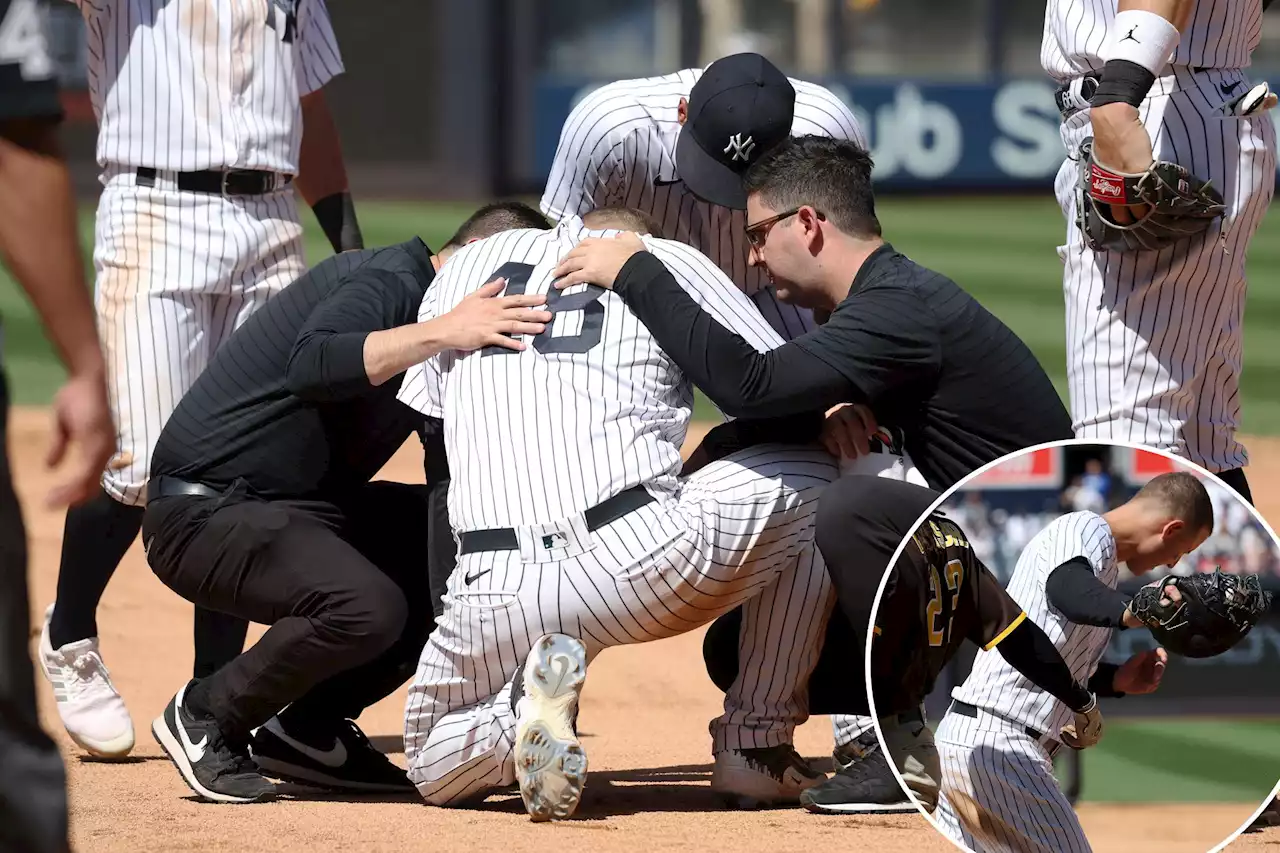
{"type": "Point", "coordinates": [644, 716]}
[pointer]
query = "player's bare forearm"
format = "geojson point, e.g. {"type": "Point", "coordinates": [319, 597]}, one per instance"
{"type": "Point", "coordinates": [321, 169]}
{"type": "Point", "coordinates": [38, 240]}
{"type": "Point", "coordinates": [322, 175]}
{"type": "Point", "coordinates": [392, 351]}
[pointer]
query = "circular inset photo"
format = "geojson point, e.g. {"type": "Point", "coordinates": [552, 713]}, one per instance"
{"type": "Point", "coordinates": [1078, 648]}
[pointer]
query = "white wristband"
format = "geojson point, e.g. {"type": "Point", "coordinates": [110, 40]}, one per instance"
{"type": "Point", "coordinates": [1141, 37]}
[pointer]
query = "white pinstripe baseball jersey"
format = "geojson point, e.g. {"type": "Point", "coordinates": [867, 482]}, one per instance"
{"type": "Point", "coordinates": [618, 147]}
{"type": "Point", "coordinates": [188, 85]}
{"type": "Point", "coordinates": [993, 684]}
{"type": "Point", "coordinates": [1220, 34]}
{"type": "Point", "coordinates": [593, 397]}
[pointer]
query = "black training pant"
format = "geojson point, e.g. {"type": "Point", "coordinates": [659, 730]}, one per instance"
{"type": "Point", "coordinates": [861, 520]}
{"type": "Point", "coordinates": [343, 586]}
{"type": "Point", "coordinates": [33, 784]}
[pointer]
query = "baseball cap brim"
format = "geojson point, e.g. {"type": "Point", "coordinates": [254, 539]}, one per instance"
{"type": "Point", "coordinates": [706, 177]}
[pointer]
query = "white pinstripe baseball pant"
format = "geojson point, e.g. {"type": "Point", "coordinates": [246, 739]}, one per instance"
{"type": "Point", "coordinates": [176, 273]}
{"type": "Point", "coordinates": [740, 530]}
{"type": "Point", "coordinates": [998, 793]}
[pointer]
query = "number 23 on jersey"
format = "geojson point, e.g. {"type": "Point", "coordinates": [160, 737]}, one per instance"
{"type": "Point", "coordinates": [940, 631]}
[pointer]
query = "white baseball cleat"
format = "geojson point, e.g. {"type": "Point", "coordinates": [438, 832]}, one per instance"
{"type": "Point", "coordinates": [764, 777]}
{"type": "Point", "coordinates": [551, 766]}
{"type": "Point", "coordinates": [88, 703]}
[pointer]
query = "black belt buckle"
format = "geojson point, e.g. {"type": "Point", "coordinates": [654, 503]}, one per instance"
{"type": "Point", "coordinates": [160, 487]}
{"type": "Point", "coordinates": [247, 182]}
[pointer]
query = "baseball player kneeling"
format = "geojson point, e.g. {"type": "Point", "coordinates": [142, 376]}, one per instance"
{"type": "Point", "coordinates": [576, 533]}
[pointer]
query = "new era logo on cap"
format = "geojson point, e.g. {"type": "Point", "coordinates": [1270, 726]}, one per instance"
{"type": "Point", "coordinates": [741, 107]}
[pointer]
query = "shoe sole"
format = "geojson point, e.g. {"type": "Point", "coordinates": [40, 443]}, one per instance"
{"type": "Point", "coordinates": [859, 808]}
{"type": "Point", "coordinates": [551, 765]}
{"type": "Point", "coordinates": [111, 750]}
{"type": "Point", "coordinates": [746, 789]}
{"type": "Point", "coordinates": [169, 743]}
{"type": "Point", "coordinates": [307, 776]}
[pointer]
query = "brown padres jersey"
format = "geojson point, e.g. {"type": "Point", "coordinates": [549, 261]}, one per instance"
{"type": "Point", "coordinates": [939, 594]}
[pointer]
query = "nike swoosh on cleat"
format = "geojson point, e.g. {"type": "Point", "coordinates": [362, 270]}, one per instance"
{"type": "Point", "coordinates": [194, 751]}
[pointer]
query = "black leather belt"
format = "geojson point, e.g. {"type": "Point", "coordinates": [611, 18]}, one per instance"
{"type": "Point", "coordinates": [964, 709]}
{"type": "Point", "coordinates": [609, 510]}
{"type": "Point", "coordinates": [1067, 103]}
{"type": "Point", "coordinates": [229, 182]}
{"type": "Point", "coordinates": [159, 487]}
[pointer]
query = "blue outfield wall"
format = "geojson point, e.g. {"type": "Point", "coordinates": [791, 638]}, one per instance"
{"type": "Point", "coordinates": [924, 135]}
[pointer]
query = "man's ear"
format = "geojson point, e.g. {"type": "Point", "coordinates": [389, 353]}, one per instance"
{"type": "Point", "coordinates": [682, 112]}
{"type": "Point", "coordinates": [1173, 528]}
{"type": "Point", "coordinates": [809, 221]}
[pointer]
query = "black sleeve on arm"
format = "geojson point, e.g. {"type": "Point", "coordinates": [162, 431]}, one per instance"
{"type": "Point", "coordinates": [1103, 681]}
{"type": "Point", "coordinates": [741, 382]}
{"type": "Point", "coordinates": [327, 361]}
{"type": "Point", "coordinates": [1077, 593]}
{"type": "Point", "coordinates": [1029, 650]}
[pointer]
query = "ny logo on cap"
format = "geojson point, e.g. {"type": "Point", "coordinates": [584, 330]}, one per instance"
{"type": "Point", "coordinates": [740, 147]}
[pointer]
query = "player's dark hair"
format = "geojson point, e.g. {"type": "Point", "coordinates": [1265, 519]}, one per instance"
{"type": "Point", "coordinates": [623, 219]}
{"type": "Point", "coordinates": [831, 175]}
{"type": "Point", "coordinates": [1184, 496]}
{"type": "Point", "coordinates": [494, 218]}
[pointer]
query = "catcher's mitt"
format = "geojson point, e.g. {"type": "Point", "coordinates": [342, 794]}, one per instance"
{"type": "Point", "coordinates": [1180, 204]}
{"type": "Point", "coordinates": [1215, 612]}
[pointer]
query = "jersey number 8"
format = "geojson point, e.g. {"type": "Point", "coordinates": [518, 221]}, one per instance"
{"type": "Point", "coordinates": [558, 302]}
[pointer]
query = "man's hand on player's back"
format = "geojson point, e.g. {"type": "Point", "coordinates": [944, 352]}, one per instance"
{"type": "Point", "coordinates": [597, 260]}
{"type": "Point", "coordinates": [485, 319]}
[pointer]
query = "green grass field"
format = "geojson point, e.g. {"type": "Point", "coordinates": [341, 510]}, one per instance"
{"type": "Point", "coordinates": [1001, 249]}
{"type": "Point", "coordinates": [1182, 760]}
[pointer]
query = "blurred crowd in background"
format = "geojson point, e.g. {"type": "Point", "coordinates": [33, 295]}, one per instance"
{"type": "Point", "coordinates": [1239, 543]}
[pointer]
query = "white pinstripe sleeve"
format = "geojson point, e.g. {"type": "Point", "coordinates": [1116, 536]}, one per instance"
{"type": "Point", "coordinates": [317, 54]}
{"type": "Point", "coordinates": [819, 112]}
{"type": "Point", "coordinates": [421, 388]}
{"type": "Point", "coordinates": [707, 284]}
{"type": "Point", "coordinates": [588, 156]}
{"type": "Point", "coordinates": [1084, 534]}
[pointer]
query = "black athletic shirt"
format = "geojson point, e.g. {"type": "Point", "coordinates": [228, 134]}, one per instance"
{"type": "Point", "coordinates": [285, 404]}
{"type": "Point", "coordinates": [909, 342]}
{"type": "Point", "coordinates": [938, 595]}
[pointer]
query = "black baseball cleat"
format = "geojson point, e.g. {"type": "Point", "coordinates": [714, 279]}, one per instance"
{"type": "Point", "coordinates": [336, 756]}
{"type": "Point", "coordinates": [863, 787]}
{"type": "Point", "coordinates": [216, 767]}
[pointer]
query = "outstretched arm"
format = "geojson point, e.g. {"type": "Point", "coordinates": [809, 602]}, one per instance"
{"type": "Point", "coordinates": [1003, 625]}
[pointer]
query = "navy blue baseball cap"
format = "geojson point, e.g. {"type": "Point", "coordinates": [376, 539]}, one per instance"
{"type": "Point", "coordinates": [741, 107]}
